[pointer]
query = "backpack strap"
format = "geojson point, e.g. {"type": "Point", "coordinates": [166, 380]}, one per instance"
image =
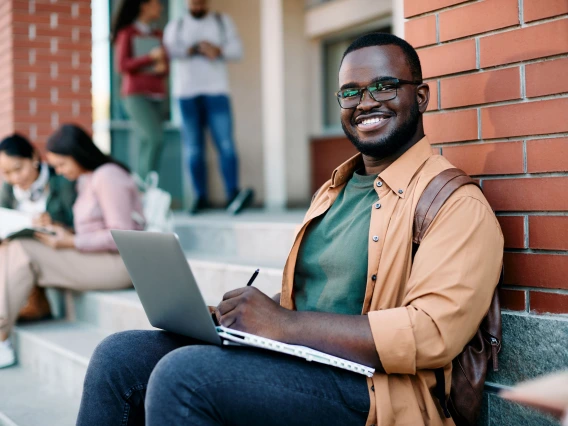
{"type": "Point", "coordinates": [221, 25]}
{"type": "Point", "coordinates": [431, 201]}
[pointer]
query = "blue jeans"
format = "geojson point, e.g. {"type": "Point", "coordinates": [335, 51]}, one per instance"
{"type": "Point", "coordinates": [213, 112]}
{"type": "Point", "coordinates": [165, 379]}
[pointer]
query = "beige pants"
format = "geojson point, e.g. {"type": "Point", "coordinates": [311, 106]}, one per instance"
{"type": "Point", "coordinates": [25, 263]}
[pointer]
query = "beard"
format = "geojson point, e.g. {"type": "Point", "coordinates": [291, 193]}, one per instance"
{"type": "Point", "coordinates": [389, 144]}
{"type": "Point", "coordinates": [198, 14]}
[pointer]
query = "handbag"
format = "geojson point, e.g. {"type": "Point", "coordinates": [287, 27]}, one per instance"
{"type": "Point", "coordinates": [156, 205]}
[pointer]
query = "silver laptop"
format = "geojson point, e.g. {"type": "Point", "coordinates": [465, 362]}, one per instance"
{"type": "Point", "coordinates": [172, 301]}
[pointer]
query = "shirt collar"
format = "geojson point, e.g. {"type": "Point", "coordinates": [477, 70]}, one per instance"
{"type": "Point", "coordinates": [143, 27]}
{"type": "Point", "coordinates": [397, 176]}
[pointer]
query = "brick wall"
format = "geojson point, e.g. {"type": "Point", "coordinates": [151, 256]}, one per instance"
{"type": "Point", "coordinates": [498, 70]}
{"type": "Point", "coordinates": [45, 66]}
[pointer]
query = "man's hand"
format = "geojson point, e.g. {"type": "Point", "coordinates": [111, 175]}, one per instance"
{"type": "Point", "coordinates": [61, 240]}
{"type": "Point", "coordinates": [209, 50]}
{"type": "Point", "coordinates": [248, 309]}
{"type": "Point", "coordinates": [160, 67]}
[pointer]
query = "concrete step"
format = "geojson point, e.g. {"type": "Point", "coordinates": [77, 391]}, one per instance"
{"type": "Point", "coordinates": [253, 235]}
{"type": "Point", "coordinates": [57, 352]}
{"type": "Point", "coordinates": [26, 401]}
{"type": "Point", "coordinates": [121, 310]}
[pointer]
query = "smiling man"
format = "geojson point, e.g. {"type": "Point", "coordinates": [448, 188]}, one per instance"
{"type": "Point", "coordinates": [350, 288]}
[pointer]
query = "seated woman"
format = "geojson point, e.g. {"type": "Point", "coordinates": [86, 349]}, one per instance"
{"type": "Point", "coordinates": [32, 187]}
{"type": "Point", "coordinates": [107, 199]}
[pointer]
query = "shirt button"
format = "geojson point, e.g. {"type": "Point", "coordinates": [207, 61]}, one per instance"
{"type": "Point", "coordinates": [375, 238]}
{"type": "Point", "coordinates": [373, 389]}
{"type": "Point", "coordinates": [378, 205]}
{"type": "Point", "coordinates": [374, 278]}
{"type": "Point", "coordinates": [400, 191]}
{"type": "Point", "coordinates": [379, 184]}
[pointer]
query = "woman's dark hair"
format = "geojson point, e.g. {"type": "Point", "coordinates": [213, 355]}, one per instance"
{"type": "Point", "coordinates": [125, 15]}
{"type": "Point", "coordinates": [17, 146]}
{"type": "Point", "coordinates": [73, 141]}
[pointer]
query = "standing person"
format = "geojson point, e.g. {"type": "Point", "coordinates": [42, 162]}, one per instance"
{"type": "Point", "coordinates": [351, 287]}
{"type": "Point", "coordinates": [107, 199]}
{"type": "Point", "coordinates": [142, 62]}
{"type": "Point", "coordinates": [203, 41]}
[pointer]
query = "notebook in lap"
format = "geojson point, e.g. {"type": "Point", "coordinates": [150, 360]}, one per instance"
{"type": "Point", "coordinates": [172, 301]}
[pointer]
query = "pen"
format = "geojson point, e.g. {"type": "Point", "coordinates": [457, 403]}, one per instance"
{"type": "Point", "coordinates": [253, 277]}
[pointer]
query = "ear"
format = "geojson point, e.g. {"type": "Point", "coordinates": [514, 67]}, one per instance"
{"type": "Point", "coordinates": [423, 97]}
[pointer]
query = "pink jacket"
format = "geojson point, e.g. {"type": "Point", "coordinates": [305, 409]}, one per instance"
{"type": "Point", "coordinates": [107, 199]}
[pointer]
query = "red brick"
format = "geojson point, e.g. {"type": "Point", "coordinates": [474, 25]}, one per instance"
{"type": "Point", "coordinates": [540, 9]}
{"type": "Point", "coordinates": [478, 18]}
{"type": "Point", "coordinates": [416, 7]}
{"type": "Point", "coordinates": [487, 159]}
{"type": "Point", "coordinates": [433, 104]}
{"type": "Point", "coordinates": [548, 303]}
{"type": "Point", "coordinates": [526, 43]}
{"type": "Point", "coordinates": [448, 59]}
{"type": "Point", "coordinates": [513, 228]}
{"type": "Point", "coordinates": [536, 270]}
{"type": "Point", "coordinates": [548, 232]}
{"type": "Point", "coordinates": [527, 118]}
{"type": "Point", "coordinates": [527, 194]}
{"type": "Point", "coordinates": [421, 31]}
{"type": "Point", "coordinates": [547, 155]}
{"type": "Point", "coordinates": [513, 300]}
{"type": "Point", "coordinates": [547, 78]}
{"type": "Point", "coordinates": [480, 88]}
{"type": "Point", "coordinates": [451, 126]}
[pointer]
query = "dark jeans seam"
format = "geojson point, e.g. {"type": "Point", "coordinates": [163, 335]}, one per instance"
{"type": "Point", "coordinates": [341, 402]}
{"type": "Point", "coordinates": [126, 396]}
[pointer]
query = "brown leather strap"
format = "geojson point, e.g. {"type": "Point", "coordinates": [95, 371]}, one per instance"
{"type": "Point", "coordinates": [433, 198]}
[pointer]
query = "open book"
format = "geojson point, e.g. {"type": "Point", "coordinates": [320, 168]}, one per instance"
{"type": "Point", "coordinates": [15, 224]}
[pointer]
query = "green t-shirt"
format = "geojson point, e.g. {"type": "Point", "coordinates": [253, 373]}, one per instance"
{"type": "Point", "coordinates": [331, 270]}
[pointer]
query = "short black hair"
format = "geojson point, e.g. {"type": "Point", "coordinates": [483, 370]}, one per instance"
{"type": "Point", "coordinates": [385, 39]}
{"type": "Point", "coordinates": [17, 146]}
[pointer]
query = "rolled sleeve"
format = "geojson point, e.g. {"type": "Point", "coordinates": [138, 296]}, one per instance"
{"type": "Point", "coordinates": [451, 284]}
{"type": "Point", "coordinates": [394, 340]}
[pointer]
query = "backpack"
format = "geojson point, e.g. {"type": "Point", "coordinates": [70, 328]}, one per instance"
{"type": "Point", "coordinates": [469, 368]}
{"type": "Point", "coordinates": [155, 205]}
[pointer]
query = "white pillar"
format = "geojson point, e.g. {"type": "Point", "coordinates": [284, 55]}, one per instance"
{"type": "Point", "coordinates": [398, 18]}
{"type": "Point", "coordinates": [273, 102]}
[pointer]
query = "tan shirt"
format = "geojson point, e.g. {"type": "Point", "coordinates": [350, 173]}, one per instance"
{"type": "Point", "coordinates": [421, 313]}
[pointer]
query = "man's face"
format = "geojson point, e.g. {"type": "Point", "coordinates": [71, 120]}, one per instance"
{"type": "Point", "coordinates": [198, 8]}
{"type": "Point", "coordinates": [380, 129]}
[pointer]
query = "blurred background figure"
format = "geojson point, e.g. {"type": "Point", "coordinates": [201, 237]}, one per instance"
{"type": "Point", "coordinates": [141, 60]}
{"type": "Point", "coordinates": [31, 186]}
{"type": "Point", "coordinates": [107, 199]}
{"type": "Point", "coordinates": [203, 41]}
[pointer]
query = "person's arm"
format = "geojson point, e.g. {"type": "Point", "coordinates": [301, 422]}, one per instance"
{"type": "Point", "coordinates": [451, 285]}
{"type": "Point", "coordinates": [116, 194]}
{"type": "Point", "coordinates": [126, 63]}
{"type": "Point", "coordinates": [175, 45]}
{"type": "Point", "coordinates": [232, 49]}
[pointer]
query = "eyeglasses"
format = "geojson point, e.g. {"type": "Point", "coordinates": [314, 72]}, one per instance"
{"type": "Point", "coordinates": [383, 90]}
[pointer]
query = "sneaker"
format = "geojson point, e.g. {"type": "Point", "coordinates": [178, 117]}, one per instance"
{"type": "Point", "coordinates": [7, 354]}
{"type": "Point", "coordinates": [200, 204]}
{"type": "Point", "coordinates": [240, 201]}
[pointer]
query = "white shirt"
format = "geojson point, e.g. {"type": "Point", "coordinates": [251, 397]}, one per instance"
{"type": "Point", "coordinates": [197, 75]}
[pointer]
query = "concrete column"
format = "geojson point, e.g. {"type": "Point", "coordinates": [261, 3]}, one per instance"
{"type": "Point", "coordinates": [398, 18]}
{"type": "Point", "coordinates": [273, 102]}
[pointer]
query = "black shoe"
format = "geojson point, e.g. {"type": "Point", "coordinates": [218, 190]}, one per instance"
{"type": "Point", "coordinates": [199, 205]}
{"type": "Point", "coordinates": [240, 201]}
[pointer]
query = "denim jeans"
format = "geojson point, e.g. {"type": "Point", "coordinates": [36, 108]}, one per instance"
{"type": "Point", "coordinates": [166, 379]}
{"type": "Point", "coordinates": [213, 112]}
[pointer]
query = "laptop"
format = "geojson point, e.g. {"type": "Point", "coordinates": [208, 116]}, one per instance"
{"type": "Point", "coordinates": [173, 302]}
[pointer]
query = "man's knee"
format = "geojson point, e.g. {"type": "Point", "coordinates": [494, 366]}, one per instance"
{"type": "Point", "coordinates": [113, 351]}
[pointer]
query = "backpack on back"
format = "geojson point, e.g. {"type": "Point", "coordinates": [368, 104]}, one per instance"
{"type": "Point", "coordinates": [469, 368]}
